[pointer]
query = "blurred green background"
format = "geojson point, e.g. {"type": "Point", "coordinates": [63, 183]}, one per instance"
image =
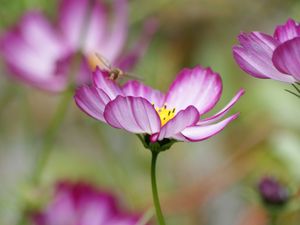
{"type": "Point", "coordinates": [199, 183]}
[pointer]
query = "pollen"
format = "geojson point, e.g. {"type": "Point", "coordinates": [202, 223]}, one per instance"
{"type": "Point", "coordinates": [165, 114]}
{"type": "Point", "coordinates": [94, 61]}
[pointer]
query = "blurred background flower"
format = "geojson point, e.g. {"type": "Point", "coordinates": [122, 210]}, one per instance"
{"type": "Point", "coordinates": [80, 203]}
{"type": "Point", "coordinates": [262, 55]}
{"type": "Point", "coordinates": [272, 56]}
{"type": "Point", "coordinates": [204, 184]}
{"type": "Point", "coordinates": [272, 192]}
{"type": "Point", "coordinates": [41, 54]}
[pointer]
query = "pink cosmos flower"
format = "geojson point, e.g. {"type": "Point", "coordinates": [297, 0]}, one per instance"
{"type": "Point", "coordinates": [40, 54]}
{"type": "Point", "coordinates": [82, 204]}
{"type": "Point", "coordinates": [271, 57]}
{"type": "Point", "coordinates": [176, 115]}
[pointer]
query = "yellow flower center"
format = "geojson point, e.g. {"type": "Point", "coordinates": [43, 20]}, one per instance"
{"type": "Point", "coordinates": [94, 61]}
{"type": "Point", "coordinates": [165, 114]}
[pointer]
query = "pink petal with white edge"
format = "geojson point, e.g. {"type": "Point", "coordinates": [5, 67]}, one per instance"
{"type": "Point", "coordinates": [287, 31]}
{"type": "Point", "coordinates": [38, 33]}
{"type": "Point", "coordinates": [32, 51]}
{"type": "Point", "coordinates": [183, 119]}
{"type": "Point", "coordinates": [223, 112]}
{"type": "Point", "coordinates": [137, 89]}
{"type": "Point", "coordinates": [83, 23]}
{"type": "Point", "coordinates": [96, 28]}
{"type": "Point", "coordinates": [102, 81]}
{"type": "Point", "coordinates": [199, 133]}
{"type": "Point", "coordinates": [254, 56]}
{"type": "Point", "coordinates": [134, 114]}
{"type": "Point", "coordinates": [286, 58]}
{"type": "Point", "coordinates": [92, 101]}
{"type": "Point", "coordinates": [25, 65]}
{"type": "Point", "coordinates": [199, 87]}
{"type": "Point", "coordinates": [115, 39]}
{"type": "Point", "coordinates": [180, 137]}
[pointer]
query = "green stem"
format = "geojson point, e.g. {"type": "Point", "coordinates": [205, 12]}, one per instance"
{"type": "Point", "coordinates": [47, 147]}
{"type": "Point", "coordinates": [9, 92]}
{"type": "Point", "coordinates": [50, 136]}
{"type": "Point", "coordinates": [273, 218]}
{"type": "Point", "coordinates": [159, 214]}
{"type": "Point", "coordinates": [22, 220]}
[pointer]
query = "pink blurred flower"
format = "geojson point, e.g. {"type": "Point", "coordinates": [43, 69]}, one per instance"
{"type": "Point", "coordinates": [82, 204]}
{"type": "Point", "coordinates": [40, 54]}
{"type": "Point", "coordinates": [178, 114]}
{"type": "Point", "coordinates": [271, 57]}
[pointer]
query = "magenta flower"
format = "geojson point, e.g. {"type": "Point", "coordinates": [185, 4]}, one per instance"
{"type": "Point", "coordinates": [159, 119]}
{"type": "Point", "coordinates": [176, 115]}
{"type": "Point", "coordinates": [271, 57]}
{"type": "Point", "coordinates": [40, 54]}
{"type": "Point", "coordinates": [80, 203]}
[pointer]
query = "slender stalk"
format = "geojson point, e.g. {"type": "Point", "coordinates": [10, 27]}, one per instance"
{"type": "Point", "coordinates": [292, 93]}
{"type": "Point", "coordinates": [22, 219]}
{"type": "Point", "coordinates": [295, 86]}
{"type": "Point", "coordinates": [60, 113]}
{"type": "Point", "coordinates": [56, 121]}
{"type": "Point", "coordinates": [50, 135]}
{"type": "Point", "coordinates": [273, 217]}
{"type": "Point", "coordinates": [159, 214]}
{"type": "Point", "coordinates": [9, 92]}
{"type": "Point", "coordinates": [47, 147]}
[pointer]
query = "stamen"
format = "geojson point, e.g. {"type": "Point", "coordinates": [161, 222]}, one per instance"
{"type": "Point", "coordinates": [94, 61]}
{"type": "Point", "coordinates": [165, 114]}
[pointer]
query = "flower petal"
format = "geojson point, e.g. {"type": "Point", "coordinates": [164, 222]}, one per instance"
{"type": "Point", "coordinates": [287, 31]}
{"type": "Point", "coordinates": [254, 56]}
{"type": "Point", "coordinates": [78, 17]}
{"type": "Point", "coordinates": [199, 87]}
{"type": "Point", "coordinates": [116, 38]}
{"type": "Point", "coordinates": [102, 81]}
{"type": "Point", "coordinates": [32, 51]}
{"type": "Point", "coordinates": [92, 101]}
{"type": "Point", "coordinates": [130, 59]}
{"type": "Point", "coordinates": [96, 28]}
{"type": "Point", "coordinates": [183, 119]}
{"type": "Point", "coordinates": [220, 114]}
{"type": "Point", "coordinates": [81, 203]}
{"type": "Point", "coordinates": [38, 33]}
{"type": "Point", "coordinates": [134, 114]}
{"type": "Point", "coordinates": [199, 133]}
{"type": "Point", "coordinates": [83, 73]}
{"type": "Point", "coordinates": [286, 57]}
{"type": "Point", "coordinates": [137, 89]}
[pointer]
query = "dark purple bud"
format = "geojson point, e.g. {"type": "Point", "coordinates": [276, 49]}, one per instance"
{"type": "Point", "coordinates": [272, 191]}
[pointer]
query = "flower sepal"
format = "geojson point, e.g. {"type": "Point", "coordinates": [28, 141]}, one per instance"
{"type": "Point", "coordinates": [157, 146]}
